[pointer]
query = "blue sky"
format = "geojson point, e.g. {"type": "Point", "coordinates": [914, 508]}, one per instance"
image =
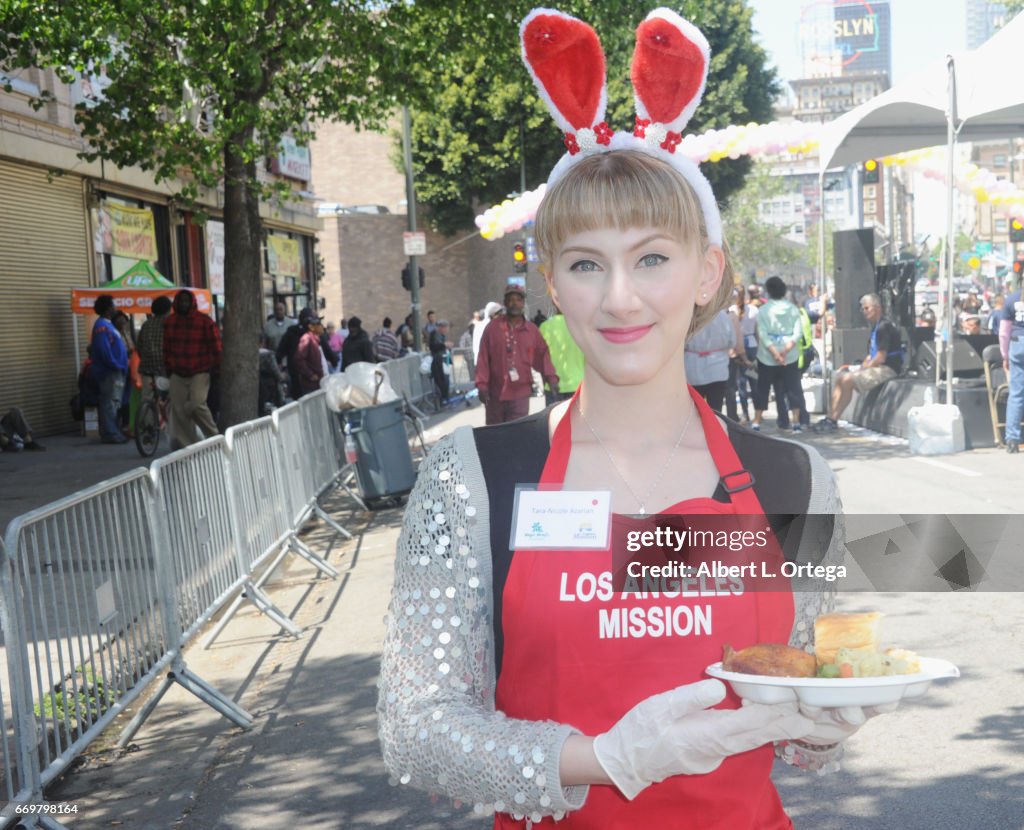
{"type": "Point", "coordinates": [922, 31]}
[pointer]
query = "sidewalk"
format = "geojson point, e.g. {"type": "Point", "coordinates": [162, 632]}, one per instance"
{"type": "Point", "coordinates": [952, 760]}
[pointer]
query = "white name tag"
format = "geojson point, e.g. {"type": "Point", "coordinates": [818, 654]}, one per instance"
{"type": "Point", "coordinates": [561, 519]}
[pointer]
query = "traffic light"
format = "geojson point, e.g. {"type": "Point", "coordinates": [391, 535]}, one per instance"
{"type": "Point", "coordinates": [519, 257]}
{"type": "Point", "coordinates": [406, 281]}
{"type": "Point", "coordinates": [1018, 267]}
{"type": "Point", "coordinates": [871, 171]}
{"type": "Point", "coordinates": [1017, 229]}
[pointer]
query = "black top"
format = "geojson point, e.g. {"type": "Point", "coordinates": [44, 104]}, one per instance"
{"type": "Point", "coordinates": [357, 348]}
{"type": "Point", "coordinates": [887, 339]}
{"type": "Point", "coordinates": [515, 453]}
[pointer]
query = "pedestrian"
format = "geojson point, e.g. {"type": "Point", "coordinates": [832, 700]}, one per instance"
{"type": "Point", "coordinates": [566, 357]}
{"type": "Point", "coordinates": [191, 351]}
{"type": "Point", "coordinates": [511, 348]}
{"type": "Point", "coordinates": [385, 343]}
{"type": "Point", "coordinates": [332, 358]}
{"type": "Point", "coordinates": [109, 367]}
{"type": "Point", "coordinates": [438, 345]}
{"type": "Point", "coordinates": [15, 432]}
{"type": "Point", "coordinates": [1011, 344]}
{"type": "Point", "coordinates": [151, 347]}
{"type": "Point", "coordinates": [309, 360]}
{"type": "Point", "coordinates": [505, 681]}
{"type": "Point", "coordinates": [466, 340]}
{"type": "Point", "coordinates": [430, 325]}
{"type": "Point", "coordinates": [285, 351]}
{"type": "Point", "coordinates": [706, 358]}
{"type": "Point", "coordinates": [358, 348]}
{"type": "Point", "coordinates": [270, 394]}
{"type": "Point", "coordinates": [743, 365]}
{"type": "Point", "coordinates": [336, 338]}
{"type": "Point", "coordinates": [277, 324]}
{"type": "Point", "coordinates": [996, 314]}
{"type": "Point", "coordinates": [406, 336]}
{"type": "Point", "coordinates": [779, 331]}
{"type": "Point", "coordinates": [131, 395]}
{"type": "Point", "coordinates": [884, 361]}
{"type": "Point", "coordinates": [489, 311]}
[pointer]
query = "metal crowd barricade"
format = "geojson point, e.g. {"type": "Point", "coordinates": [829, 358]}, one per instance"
{"type": "Point", "coordinates": [263, 504]}
{"type": "Point", "coordinates": [93, 620]}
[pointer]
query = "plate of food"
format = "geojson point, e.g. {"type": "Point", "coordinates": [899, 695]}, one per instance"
{"type": "Point", "coordinates": [847, 668]}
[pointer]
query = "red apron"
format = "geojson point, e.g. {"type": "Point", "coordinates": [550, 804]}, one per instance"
{"type": "Point", "coordinates": [580, 654]}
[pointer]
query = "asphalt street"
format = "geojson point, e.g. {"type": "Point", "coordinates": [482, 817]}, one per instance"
{"type": "Point", "coordinates": [954, 759]}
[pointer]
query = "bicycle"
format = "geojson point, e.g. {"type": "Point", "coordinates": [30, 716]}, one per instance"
{"type": "Point", "coordinates": [151, 417]}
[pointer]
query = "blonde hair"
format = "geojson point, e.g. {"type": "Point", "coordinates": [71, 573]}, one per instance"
{"type": "Point", "coordinates": [628, 189]}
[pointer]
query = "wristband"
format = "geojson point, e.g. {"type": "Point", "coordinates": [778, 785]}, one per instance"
{"type": "Point", "coordinates": [818, 758]}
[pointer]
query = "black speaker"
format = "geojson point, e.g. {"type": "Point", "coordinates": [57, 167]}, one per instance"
{"type": "Point", "coordinates": [854, 254]}
{"type": "Point", "coordinates": [849, 346]}
{"type": "Point", "coordinates": [967, 362]}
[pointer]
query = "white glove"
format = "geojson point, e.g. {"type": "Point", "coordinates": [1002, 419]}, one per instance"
{"type": "Point", "coordinates": [831, 726]}
{"type": "Point", "coordinates": [675, 733]}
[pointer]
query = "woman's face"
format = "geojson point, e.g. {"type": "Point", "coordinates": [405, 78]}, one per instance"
{"type": "Point", "coordinates": [628, 298]}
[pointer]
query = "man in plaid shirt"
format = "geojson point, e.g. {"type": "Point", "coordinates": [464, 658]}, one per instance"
{"type": "Point", "coordinates": [150, 345]}
{"type": "Point", "coordinates": [191, 351]}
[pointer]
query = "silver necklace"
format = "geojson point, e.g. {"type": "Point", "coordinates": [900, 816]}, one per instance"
{"type": "Point", "coordinates": [641, 501]}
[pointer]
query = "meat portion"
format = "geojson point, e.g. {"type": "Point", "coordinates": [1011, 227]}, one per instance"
{"type": "Point", "coordinates": [772, 659]}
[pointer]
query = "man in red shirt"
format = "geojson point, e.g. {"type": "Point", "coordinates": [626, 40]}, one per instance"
{"type": "Point", "coordinates": [510, 348]}
{"type": "Point", "coordinates": [191, 350]}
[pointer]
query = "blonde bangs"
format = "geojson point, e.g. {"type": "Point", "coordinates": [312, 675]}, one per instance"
{"type": "Point", "coordinates": [627, 189]}
{"type": "Point", "coordinates": [624, 189]}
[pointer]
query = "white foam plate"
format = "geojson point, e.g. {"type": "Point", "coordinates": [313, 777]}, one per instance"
{"type": "Point", "coordinates": [838, 691]}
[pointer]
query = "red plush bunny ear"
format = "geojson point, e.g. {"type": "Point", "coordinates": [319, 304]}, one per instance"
{"type": "Point", "coordinates": [566, 63]}
{"type": "Point", "coordinates": [670, 68]}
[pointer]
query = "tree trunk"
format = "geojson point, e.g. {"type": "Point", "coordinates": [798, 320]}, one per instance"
{"type": "Point", "coordinates": [243, 287]}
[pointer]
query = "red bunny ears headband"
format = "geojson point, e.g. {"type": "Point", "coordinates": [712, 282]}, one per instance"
{"type": "Point", "coordinates": [670, 68]}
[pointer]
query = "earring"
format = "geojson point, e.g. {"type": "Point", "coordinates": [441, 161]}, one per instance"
{"type": "Point", "coordinates": [704, 295]}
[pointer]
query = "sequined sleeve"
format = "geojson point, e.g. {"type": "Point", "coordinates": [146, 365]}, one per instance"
{"type": "Point", "coordinates": [439, 729]}
{"type": "Point", "coordinates": [817, 595]}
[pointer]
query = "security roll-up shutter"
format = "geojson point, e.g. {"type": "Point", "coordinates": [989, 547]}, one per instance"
{"type": "Point", "coordinates": [43, 255]}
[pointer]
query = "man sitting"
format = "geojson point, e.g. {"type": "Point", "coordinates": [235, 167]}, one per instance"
{"type": "Point", "coordinates": [884, 361]}
{"type": "Point", "coordinates": [15, 433]}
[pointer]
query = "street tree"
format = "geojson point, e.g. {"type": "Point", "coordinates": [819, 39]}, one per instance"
{"type": "Point", "coordinates": [487, 126]}
{"type": "Point", "coordinates": [201, 94]}
{"type": "Point", "coordinates": [755, 244]}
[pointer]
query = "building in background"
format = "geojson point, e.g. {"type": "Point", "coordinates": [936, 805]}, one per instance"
{"type": "Point", "coordinates": [363, 209]}
{"type": "Point", "coordinates": [846, 58]}
{"type": "Point", "coordinates": [67, 223]}
{"type": "Point", "coordinates": [984, 19]}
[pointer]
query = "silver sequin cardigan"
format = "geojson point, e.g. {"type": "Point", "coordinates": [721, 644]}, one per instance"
{"type": "Point", "coordinates": [439, 730]}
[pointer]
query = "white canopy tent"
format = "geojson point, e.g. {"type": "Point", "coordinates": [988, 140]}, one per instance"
{"type": "Point", "coordinates": [969, 96]}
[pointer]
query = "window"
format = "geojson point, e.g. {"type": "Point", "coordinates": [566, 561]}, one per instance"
{"type": "Point", "coordinates": [1001, 225]}
{"type": "Point", "coordinates": [999, 160]}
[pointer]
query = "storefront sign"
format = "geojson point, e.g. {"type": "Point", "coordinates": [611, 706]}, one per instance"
{"type": "Point", "coordinates": [215, 255]}
{"type": "Point", "coordinates": [133, 232]}
{"type": "Point", "coordinates": [283, 256]}
{"type": "Point", "coordinates": [293, 160]}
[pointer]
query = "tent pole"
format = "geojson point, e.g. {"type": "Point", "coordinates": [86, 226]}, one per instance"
{"type": "Point", "coordinates": [826, 365]}
{"type": "Point", "coordinates": [950, 242]}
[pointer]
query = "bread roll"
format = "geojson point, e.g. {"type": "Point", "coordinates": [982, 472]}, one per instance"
{"type": "Point", "coordinates": [835, 631]}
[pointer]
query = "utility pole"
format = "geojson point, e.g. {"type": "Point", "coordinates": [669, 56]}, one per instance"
{"type": "Point", "coordinates": [410, 210]}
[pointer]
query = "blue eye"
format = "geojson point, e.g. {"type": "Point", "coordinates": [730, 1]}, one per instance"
{"type": "Point", "coordinates": [652, 260]}
{"type": "Point", "coordinates": [584, 265]}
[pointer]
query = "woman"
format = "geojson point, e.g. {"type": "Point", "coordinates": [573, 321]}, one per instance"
{"type": "Point", "coordinates": [707, 359]}
{"type": "Point", "coordinates": [745, 359]}
{"type": "Point", "coordinates": [779, 332]}
{"type": "Point", "coordinates": [507, 679]}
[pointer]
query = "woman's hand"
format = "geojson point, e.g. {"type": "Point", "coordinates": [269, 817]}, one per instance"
{"type": "Point", "coordinates": [675, 733]}
{"type": "Point", "coordinates": [831, 726]}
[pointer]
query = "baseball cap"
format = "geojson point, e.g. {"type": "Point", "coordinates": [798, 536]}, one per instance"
{"type": "Point", "coordinates": [515, 285]}
{"type": "Point", "coordinates": [307, 316]}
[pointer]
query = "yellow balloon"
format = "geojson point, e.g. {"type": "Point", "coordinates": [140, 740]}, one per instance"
{"type": "Point", "coordinates": [974, 262]}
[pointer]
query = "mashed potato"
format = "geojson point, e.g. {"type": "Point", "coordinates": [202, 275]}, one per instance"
{"type": "Point", "coordinates": [863, 662]}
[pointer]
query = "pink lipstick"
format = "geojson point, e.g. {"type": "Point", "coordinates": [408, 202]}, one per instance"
{"type": "Point", "coordinates": [625, 335]}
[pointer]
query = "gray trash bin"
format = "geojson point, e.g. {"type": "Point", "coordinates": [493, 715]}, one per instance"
{"type": "Point", "coordinates": [384, 465]}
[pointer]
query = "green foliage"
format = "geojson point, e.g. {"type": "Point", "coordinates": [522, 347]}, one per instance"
{"type": "Point", "coordinates": [190, 80]}
{"type": "Point", "coordinates": [467, 150]}
{"type": "Point", "coordinates": [753, 243]}
{"type": "Point", "coordinates": [83, 698]}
